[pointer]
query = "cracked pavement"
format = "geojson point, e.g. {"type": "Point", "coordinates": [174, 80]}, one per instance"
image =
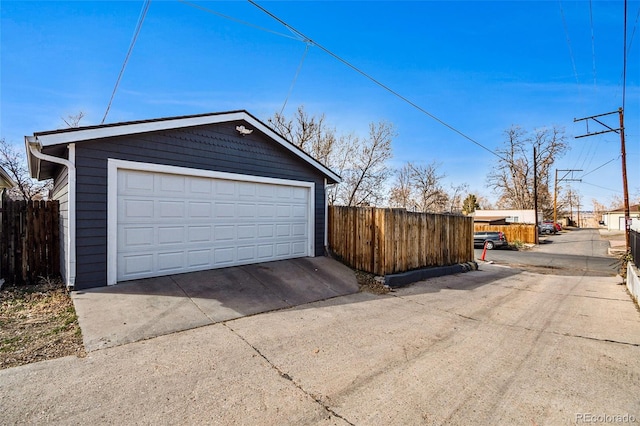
{"type": "Point", "coordinates": [497, 346]}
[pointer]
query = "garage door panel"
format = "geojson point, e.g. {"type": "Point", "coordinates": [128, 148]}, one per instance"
{"type": "Point", "coordinates": [136, 265]}
{"type": "Point", "coordinates": [246, 253]}
{"type": "Point", "coordinates": [137, 183]}
{"type": "Point", "coordinates": [171, 209]}
{"type": "Point", "coordinates": [170, 261]}
{"type": "Point", "coordinates": [172, 223]}
{"type": "Point", "coordinates": [170, 235]}
{"type": "Point", "coordinates": [136, 208]}
{"type": "Point", "coordinates": [246, 232]}
{"type": "Point", "coordinates": [172, 183]}
{"type": "Point", "coordinates": [224, 233]}
{"type": "Point", "coordinates": [265, 251]}
{"type": "Point", "coordinates": [200, 209]}
{"type": "Point", "coordinates": [225, 210]}
{"type": "Point", "coordinates": [198, 258]}
{"type": "Point", "coordinates": [199, 234]}
{"type": "Point", "coordinates": [138, 236]}
{"type": "Point", "coordinates": [298, 248]}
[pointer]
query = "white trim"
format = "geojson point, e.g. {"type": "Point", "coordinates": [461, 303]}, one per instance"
{"type": "Point", "coordinates": [71, 244]}
{"type": "Point", "coordinates": [70, 258]}
{"type": "Point", "coordinates": [113, 165]}
{"type": "Point", "coordinates": [326, 216]}
{"type": "Point", "coordinates": [80, 135]}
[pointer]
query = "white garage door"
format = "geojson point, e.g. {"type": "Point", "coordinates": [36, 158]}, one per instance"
{"type": "Point", "coordinates": [171, 223]}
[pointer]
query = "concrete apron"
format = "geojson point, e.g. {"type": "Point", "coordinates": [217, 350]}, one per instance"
{"type": "Point", "coordinates": [142, 309]}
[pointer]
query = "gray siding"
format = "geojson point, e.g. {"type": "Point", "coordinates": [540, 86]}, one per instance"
{"type": "Point", "coordinates": [214, 147]}
{"type": "Point", "coordinates": [60, 192]}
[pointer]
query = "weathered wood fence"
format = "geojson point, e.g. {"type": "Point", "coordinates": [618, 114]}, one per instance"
{"type": "Point", "coordinates": [386, 241]}
{"type": "Point", "coordinates": [514, 232]}
{"type": "Point", "coordinates": [29, 240]}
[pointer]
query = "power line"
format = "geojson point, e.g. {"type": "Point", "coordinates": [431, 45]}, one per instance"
{"type": "Point", "coordinates": [295, 77]}
{"type": "Point", "coordinates": [239, 21]}
{"type": "Point", "coordinates": [377, 82]}
{"type": "Point", "coordinates": [624, 61]}
{"type": "Point", "coordinates": [593, 45]}
{"type": "Point", "coordinates": [633, 32]}
{"type": "Point", "coordinates": [602, 187]}
{"type": "Point", "coordinates": [600, 166]}
{"type": "Point", "coordinates": [145, 8]}
{"type": "Point", "coordinates": [566, 31]}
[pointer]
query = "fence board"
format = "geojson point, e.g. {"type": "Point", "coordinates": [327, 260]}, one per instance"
{"type": "Point", "coordinates": [384, 241]}
{"type": "Point", "coordinates": [525, 233]}
{"type": "Point", "coordinates": [29, 240]}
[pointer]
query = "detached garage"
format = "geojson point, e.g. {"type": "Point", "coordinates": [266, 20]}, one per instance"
{"type": "Point", "coordinates": [159, 197]}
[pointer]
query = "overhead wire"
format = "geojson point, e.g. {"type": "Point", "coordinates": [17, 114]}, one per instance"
{"type": "Point", "coordinates": [143, 14]}
{"type": "Point", "coordinates": [295, 77]}
{"type": "Point", "coordinates": [600, 166]}
{"type": "Point", "coordinates": [624, 60]}
{"type": "Point", "coordinates": [239, 21]}
{"type": "Point", "coordinates": [593, 45]}
{"type": "Point", "coordinates": [375, 81]}
{"type": "Point", "coordinates": [588, 146]}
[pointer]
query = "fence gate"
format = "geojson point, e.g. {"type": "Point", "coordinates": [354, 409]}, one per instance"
{"type": "Point", "coordinates": [29, 240]}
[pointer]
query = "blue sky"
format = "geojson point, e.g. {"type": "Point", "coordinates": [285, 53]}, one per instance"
{"type": "Point", "coordinates": [479, 66]}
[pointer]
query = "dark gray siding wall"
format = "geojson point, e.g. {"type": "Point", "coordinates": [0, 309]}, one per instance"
{"type": "Point", "coordinates": [215, 147]}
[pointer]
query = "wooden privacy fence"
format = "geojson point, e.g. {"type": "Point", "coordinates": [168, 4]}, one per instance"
{"type": "Point", "coordinates": [514, 232]}
{"type": "Point", "coordinates": [386, 241]}
{"type": "Point", "coordinates": [29, 240]}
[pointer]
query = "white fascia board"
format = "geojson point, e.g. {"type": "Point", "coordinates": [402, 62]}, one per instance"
{"type": "Point", "coordinates": [177, 123]}
{"type": "Point", "coordinates": [134, 128]}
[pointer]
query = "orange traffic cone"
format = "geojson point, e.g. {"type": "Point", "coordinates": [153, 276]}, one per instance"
{"type": "Point", "coordinates": [484, 251]}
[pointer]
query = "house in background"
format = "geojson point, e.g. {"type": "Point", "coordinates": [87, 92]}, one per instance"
{"type": "Point", "coordinates": [490, 220]}
{"type": "Point", "coordinates": [511, 216]}
{"type": "Point", "coordinates": [6, 181]}
{"type": "Point", "coordinates": [614, 220]}
{"type": "Point", "coordinates": [171, 195]}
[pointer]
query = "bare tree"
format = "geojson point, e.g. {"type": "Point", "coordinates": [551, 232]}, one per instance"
{"type": "Point", "coordinates": [362, 163]}
{"type": "Point", "coordinates": [309, 133]}
{"type": "Point", "coordinates": [363, 180]}
{"type": "Point", "coordinates": [455, 197]}
{"type": "Point", "coordinates": [512, 178]}
{"type": "Point", "coordinates": [484, 203]}
{"type": "Point", "coordinates": [401, 193]}
{"type": "Point", "coordinates": [13, 161]}
{"type": "Point", "coordinates": [73, 121]}
{"type": "Point", "coordinates": [418, 187]}
{"type": "Point", "coordinates": [429, 194]}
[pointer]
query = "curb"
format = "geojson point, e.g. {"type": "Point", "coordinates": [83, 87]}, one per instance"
{"type": "Point", "coordinates": [406, 278]}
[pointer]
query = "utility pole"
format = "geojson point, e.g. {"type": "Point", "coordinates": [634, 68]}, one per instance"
{"type": "Point", "coordinates": [555, 189]}
{"type": "Point", "coordinates": [623, 155]}
{"type": "Point", "coordinates": [535, 191]}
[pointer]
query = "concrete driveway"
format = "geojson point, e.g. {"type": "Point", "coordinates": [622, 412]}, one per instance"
{"type": "Point", "coordinates": [499, 346]}
{"type": "Point", "coordinates": [142, 309]}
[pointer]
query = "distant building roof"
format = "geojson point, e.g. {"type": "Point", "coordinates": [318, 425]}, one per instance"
{"type": "Point", "coordinates": [6, 181]}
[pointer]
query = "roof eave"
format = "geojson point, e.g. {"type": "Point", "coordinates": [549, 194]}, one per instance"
{"type": "Point", "coordinates": [67, 136]}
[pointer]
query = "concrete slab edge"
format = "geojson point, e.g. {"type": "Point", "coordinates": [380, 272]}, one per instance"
{"type": "Point", "coordinates": [406, 278]}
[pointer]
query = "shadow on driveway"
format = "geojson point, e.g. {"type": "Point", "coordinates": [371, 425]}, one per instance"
{"type": "Point", "coordinates": [142, 309]}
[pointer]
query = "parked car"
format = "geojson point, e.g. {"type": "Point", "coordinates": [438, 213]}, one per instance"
{"type": "Point", "coordinates": [547, 228]}
{"type": "Point", "coordinates": [492, 239]}
{"type": "Point", "coordinates": [556, 225]}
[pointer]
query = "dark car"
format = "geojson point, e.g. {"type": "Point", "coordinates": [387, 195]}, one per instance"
{"type": "Point", "coordinates": [492, 239]}
{"type": "Point", "coordinates": [547, 228]}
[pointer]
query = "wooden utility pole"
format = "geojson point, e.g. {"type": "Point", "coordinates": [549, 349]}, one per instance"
{"type": "Point", "coordinates": [623, 155]}
{"type": "Point", "coordinates": [555, 189]}
{"type": "Point", "coordinates": [535, 191]}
